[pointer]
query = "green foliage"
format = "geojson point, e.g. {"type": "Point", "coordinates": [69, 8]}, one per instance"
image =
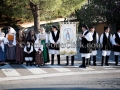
{"type": "Point", "coordinates": [49, 9]}
{"type": "Point", "coordinates": [100, 11]}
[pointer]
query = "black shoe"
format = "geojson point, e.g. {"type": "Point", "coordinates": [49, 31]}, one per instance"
{"type": "Point", "coordinates": [21, 63]}
{"type": "Point", "coordinates": [94, 64]}
{"type": "Point", "coordinates": [3, 64]}
{"type": "Point", "coordinates": [82, 66]}
{"type": "Point", "coordinates": [83, 63]}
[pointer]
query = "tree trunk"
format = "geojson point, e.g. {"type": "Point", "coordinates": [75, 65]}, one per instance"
{"type": "Point", "coordinates": [36, 19]}
{"type": "Point", "coordinates": [35, 12]}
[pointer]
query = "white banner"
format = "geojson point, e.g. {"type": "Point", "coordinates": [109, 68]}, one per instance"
{"type": "Point", "coordinates": [68, 38]}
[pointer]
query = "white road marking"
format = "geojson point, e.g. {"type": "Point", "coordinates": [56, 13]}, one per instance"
{"type": "Point", "coordinates": [9, 71]}
{"type": "Point", "coordinates": [87, 69]}
{"type": "Point", "coordinates": [57, 74]}
{"type": "Point", "coordinates": [34, 69]}
{"type": "Point", "coordinates": [59, 68]}
{"type": "Point", "coordinates": [108, 67]}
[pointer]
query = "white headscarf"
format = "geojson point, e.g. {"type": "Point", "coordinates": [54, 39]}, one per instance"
{"type": "Point", "coordinates": [43, 29]}
{"type": "Point", "coordinates": [2, 39]}
{"type": "Point", "coordinates": [12, 31]}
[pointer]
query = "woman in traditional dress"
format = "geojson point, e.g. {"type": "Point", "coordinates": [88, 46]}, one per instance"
{"type": "Point", "coordinates": [44, 40]}
{"type": "Point", "coordinates": [31, 37]}
{"type": "Point", "coordinates": [3, 43]}
{"type": "Point", "coordinates": [11, 52]}
{"type": "Point", "coordinates": [28, 49]}
{"type": "Point", "coordinates": [39, 59]}
{"type": "Point", "coordinates": [20, 39]}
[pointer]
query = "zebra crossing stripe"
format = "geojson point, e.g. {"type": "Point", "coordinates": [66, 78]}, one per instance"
{"type": "Point", "coordinates": [34, 69]}
{"type": "Point", "coordinates": [9, 71]}
{"type": "Point", "coordinates": [108, 67]}
{"type": "Point", "coordinates": [59, 68]}
{"type": "Point", "coordinates": [57, 74]}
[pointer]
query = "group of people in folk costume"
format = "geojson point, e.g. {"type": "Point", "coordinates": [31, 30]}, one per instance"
{"type": "Point", "coordinates": [89, 45]}
{"type": "Point", "coordinates": [20, 48]}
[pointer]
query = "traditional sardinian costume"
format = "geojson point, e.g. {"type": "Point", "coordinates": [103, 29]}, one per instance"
{"type": "Point", "coordinates": [39, 59]}
{"type": "Point", "coordinates": [44, 40]}
{"type": "Point", "coordinates": [11, 47]}
{"type": "Point", "coordinates": [31, 39]}
{"type": "Point", "coordinates": [116, 48]}
{"type": "Point", "coordinates": [54, 45]}
{"type": "Point", "coordinates": [20, 49]}
{"type": "Point", "coordinates": [3, 43]}
{"type": "Point", "coordinates": [106, 42]}
{"type": "Point", "coordinates": [28, 56]}
{"type": "Point", "coordinates": [85, 48]}
{"type": "Point", "coordinates": [94, 44]}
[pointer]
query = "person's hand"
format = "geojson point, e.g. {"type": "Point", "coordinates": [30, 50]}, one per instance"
{"type": "Point", "coordinates": [11, 45]}
{"type": "Point", "coordinates": [55, 43]}
{"type": "Point", "coordinates": [39, 51]}
{"type": "Point", "coordinates": [28, 52]}
{"type": "Point", "coordinates": [117, 44]}
{"type": "Point", "coordinates": [80, 35]}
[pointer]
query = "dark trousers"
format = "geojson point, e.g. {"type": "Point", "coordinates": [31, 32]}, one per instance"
{"type": "Point", "coordinates": [52, 59]}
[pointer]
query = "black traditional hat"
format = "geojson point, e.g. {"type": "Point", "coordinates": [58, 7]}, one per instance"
{"type": "Point", "coordinates": [55, 27]}
{"type": "Point", "coordinates": [85, 26]}
{"type": "Point", "coordinates": [118, 28]}
{"type": "Point", "coordinates": [105, 27]}
{"type": "Point", "coordinates": [92, 27]}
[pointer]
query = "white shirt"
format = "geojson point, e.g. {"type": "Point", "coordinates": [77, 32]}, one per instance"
{"type": "Point", "coordinates": [43, 36]}
{"type": "Point", "coordinates": [113, 40]}
{"type": "Point", "coordinates": [88, 36]}
{"type": "Point", "coordinates": [101, 37]}
{"type": "Point", "coordinates": [25, 49]}
{"type": "Point", "coordinates": [97, 37]}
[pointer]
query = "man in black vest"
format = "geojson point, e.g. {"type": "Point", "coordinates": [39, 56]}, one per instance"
{"type": "Point", "coordinates": [54, 44]}
{"type": "Point", "coordinates": [106, 42]}
{"type": "Point", "coordinates": [85, 48]}
{"type": "Point", "coordinates": [116, 43]}
{"type": "Point", "coordinates": [94, 44]}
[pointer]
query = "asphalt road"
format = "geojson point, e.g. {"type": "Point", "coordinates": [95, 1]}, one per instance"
{"type": "Point", "coordinates": [20, 77]}
{"type": "Point", "coordinates": [109, 81]}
